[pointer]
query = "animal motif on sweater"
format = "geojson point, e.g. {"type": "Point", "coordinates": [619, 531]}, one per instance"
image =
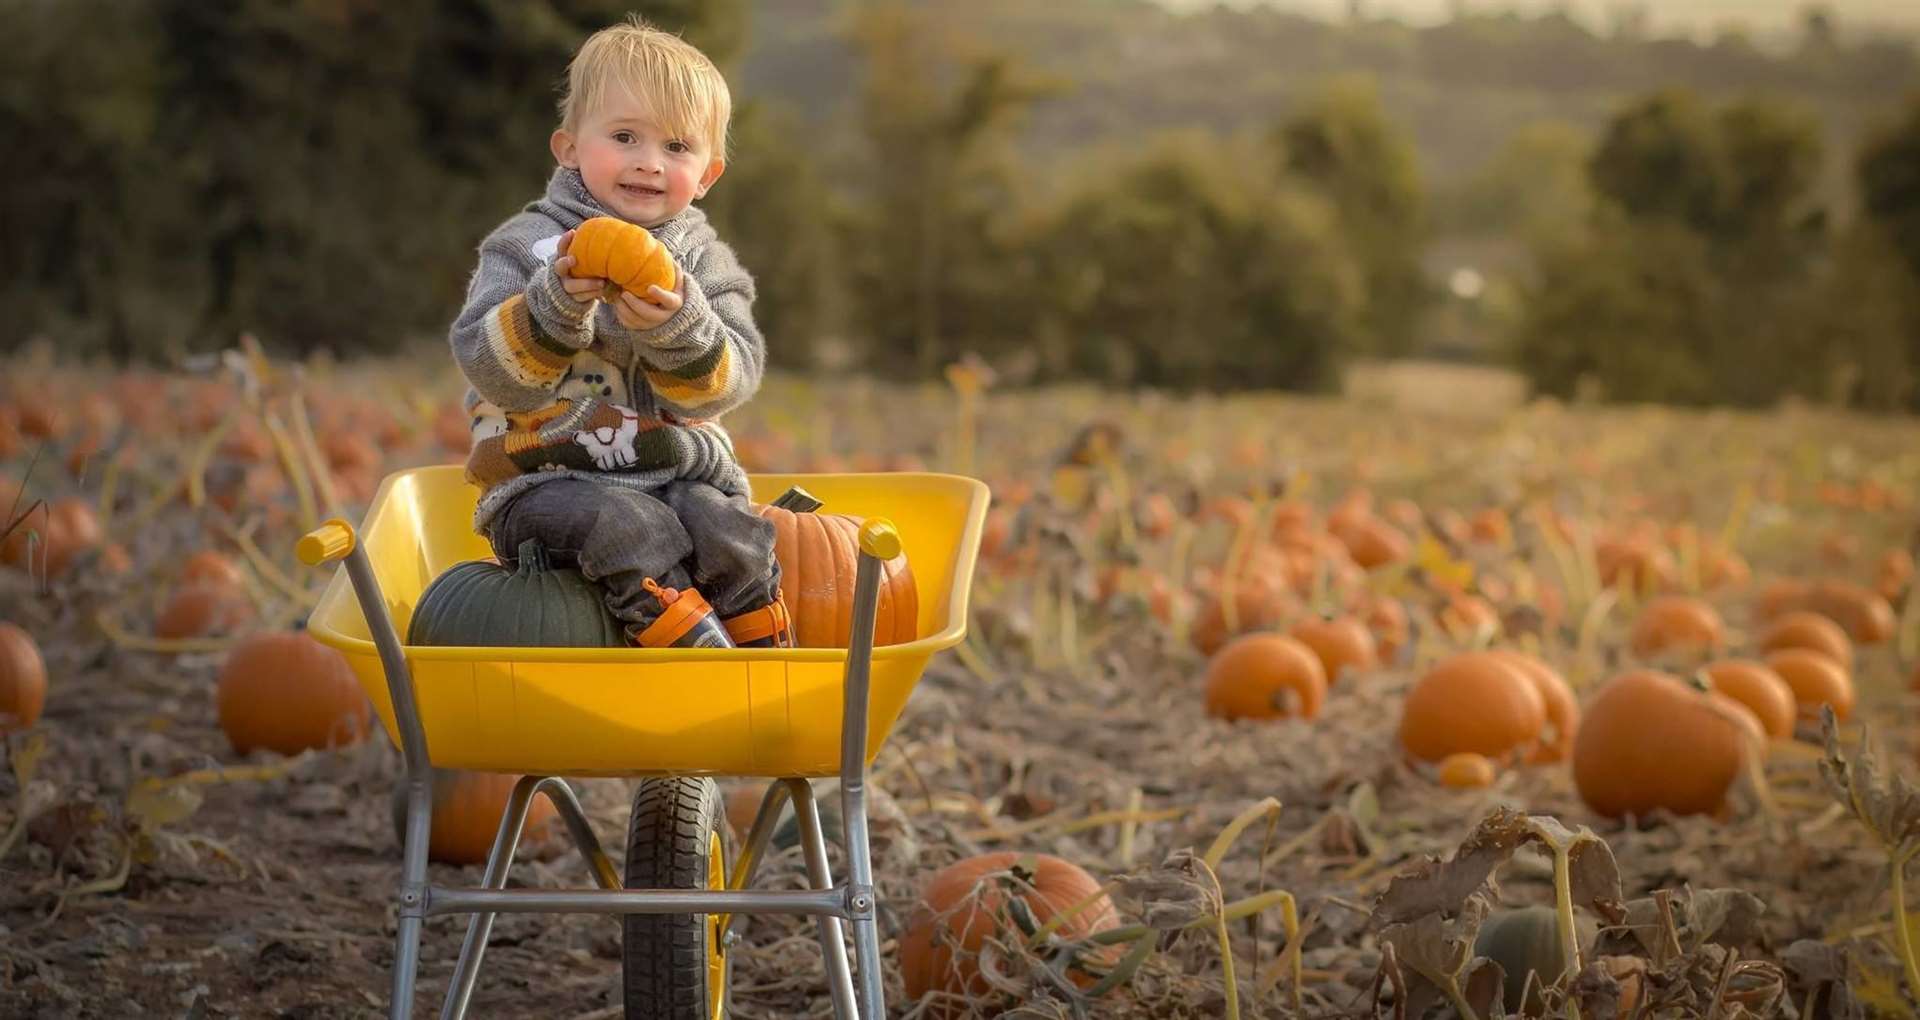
{"type": "Point", "coordinates": [611, 447]}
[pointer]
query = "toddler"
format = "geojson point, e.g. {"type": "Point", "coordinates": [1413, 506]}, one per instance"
{"type": "Point", "coordinates": [593, 407]}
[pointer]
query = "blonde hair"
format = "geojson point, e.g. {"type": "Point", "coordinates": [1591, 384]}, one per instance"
{"type": "Point", "coordinates": [681, 88]}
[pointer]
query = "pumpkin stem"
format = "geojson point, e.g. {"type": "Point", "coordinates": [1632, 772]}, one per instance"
{"type": "Point", "coordinates": [798, 500]}
{"type": "Point", "coordinates": [532, 557]}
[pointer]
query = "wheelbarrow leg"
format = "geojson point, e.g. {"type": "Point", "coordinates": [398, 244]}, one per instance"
{"type": "Point", "coordinates": [506, 841]}
{"type": "Point", "coordinates": [413, 893]}
{"type": "Point", "coordinates": [878, 543]}
{"type": "Point", "coordinates": [833, 947]}
{"type": "Point", "coordinates": [752, 851]}
{"type": "Point", "coordinates": [333, 540]}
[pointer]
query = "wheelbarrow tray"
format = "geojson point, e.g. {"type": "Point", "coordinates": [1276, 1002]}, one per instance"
{"type": "Point", "coordinates": [634, 711]}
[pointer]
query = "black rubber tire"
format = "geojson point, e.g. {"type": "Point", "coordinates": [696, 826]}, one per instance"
{"type": "Point", "coordinates": [663, 964]}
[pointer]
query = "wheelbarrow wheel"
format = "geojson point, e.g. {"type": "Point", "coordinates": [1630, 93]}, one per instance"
{"type": "Point", "coordinates": [674, 966]}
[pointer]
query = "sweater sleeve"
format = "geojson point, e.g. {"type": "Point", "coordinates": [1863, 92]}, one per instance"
{"type": "Point", "coordinates": [708, 358]}
{"type": "Point", "coordinates": [519, 329]}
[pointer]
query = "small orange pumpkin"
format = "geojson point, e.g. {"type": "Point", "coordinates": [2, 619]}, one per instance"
{"type": "Point", "coordinates": [1563, 711]}
{"type": "Point", "coordinates": [23, 679]}
{"type": "Point", "coordinates": [1373, 542]}
{"type": "Point", "coordinates": [466, 815]}
{"type": "Point", "coordinates": [1677, 624]}
{"type": "Point", "coordinates": [1635, 563]}
{"type": "Point", "coordinates": [940, 948]}
{"type": "Point", "coordinates": [1816, 680]}
{"type": "Point", "coordinates": [1472, 701]}
{"type": "Point", "coordinates": [200, 608]}
{"type": "Point", "coordinates": [62, 530]}
{"type": "Point", "coordinates": [1803, 629]}
{"type": "Point", "coordinates": [819, 555]}
{"type": "Point", "coordinates": [1649, 740]}
{"type": "Point", "coordinates": [1893, 572]}
{"type": "Point", "coordinates": [210, 567]}
{"type": "Point", "coordinates": [1464, 770]}
{"type": "Point", "coordinates": [1757, 686]}
{"type": "Point", "coordinates": [1341, 643]}
{"type": "Point", "coordinates": [286, 692]}
{"type": "Point", "coordinates": [1257, 605]}
{"type": "Point", "coordinates": [1860, 611]}
{"type": "Point", "coordinates": [625, 254]}
{"type": "Point", "coordinates": [1265, 676]}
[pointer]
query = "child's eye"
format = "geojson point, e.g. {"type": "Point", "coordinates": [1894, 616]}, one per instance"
{"type": "Point", "coordinates": [678, 146]}
{"type": "Point", "coordinates": [623, 137]}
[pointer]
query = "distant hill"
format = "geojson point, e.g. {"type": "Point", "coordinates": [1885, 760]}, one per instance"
{"type": "Point", "coordinates": [1461, 87]}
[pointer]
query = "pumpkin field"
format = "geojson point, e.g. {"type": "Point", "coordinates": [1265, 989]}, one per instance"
{"type": "Point", "coordinates": [1424, 700]}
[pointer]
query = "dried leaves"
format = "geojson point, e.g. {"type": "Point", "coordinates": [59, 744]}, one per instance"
{"type": "Point", "coordinates": [1436, 887]}
{"type": "Point", "coordinates": [1888, 806]}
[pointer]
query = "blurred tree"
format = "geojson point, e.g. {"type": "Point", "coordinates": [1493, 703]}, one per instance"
{"type": "Point", "coordinates": [318, 172]}
{"type": "Point", "coordinates": [1535, 187]}
{"type": "Point", "coordinates": [1699, 275]}
{"type": "Point", "coordinates": [1878, 280]}
{"type": "Point", "coordinates": [1342, 143]}
{"type": "Point", "coordinates": [1889, 176]}
{"type": "Point", "coordinates": [774, 207]}
{"type": "Point", "coordinates": [1658, 160]}
{"type": "Point", "coordinates": [932, 116]}
{"type": "Point", "coordinates": [1172, 270]}
{"type": "Point", "coordinates": [1624, 311]}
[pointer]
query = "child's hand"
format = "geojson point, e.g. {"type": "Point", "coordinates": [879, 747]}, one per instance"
{"type": "Point", "coordinates": [580, 288]}
{"type": "Point", "coordinates": [637, 312]}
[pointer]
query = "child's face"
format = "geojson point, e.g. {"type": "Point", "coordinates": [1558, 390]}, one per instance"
{"type": "Point", "coordinates": [635, 168]}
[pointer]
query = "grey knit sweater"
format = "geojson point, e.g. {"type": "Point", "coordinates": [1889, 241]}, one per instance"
{"type": "Point", "coordinates": [522, 341]}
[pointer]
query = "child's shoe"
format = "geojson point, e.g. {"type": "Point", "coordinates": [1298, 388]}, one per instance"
{"type": "Point", "coordinates": [687, 622]}
{"type": "Point", "coordinates": [767, 627]}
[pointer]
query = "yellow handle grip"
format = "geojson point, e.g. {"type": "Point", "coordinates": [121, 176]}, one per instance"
{"type": "Point", "coordinates": [879, 538]}
{"type": "Point", "coordinates": [326, 543]}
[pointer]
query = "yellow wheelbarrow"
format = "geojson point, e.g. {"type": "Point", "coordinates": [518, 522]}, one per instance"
{"type": "Point", "coordinates": [675, 717]}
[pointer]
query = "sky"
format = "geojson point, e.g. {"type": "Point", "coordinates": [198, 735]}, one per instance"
{"type": "Point", "coordinates": [1760, 17]}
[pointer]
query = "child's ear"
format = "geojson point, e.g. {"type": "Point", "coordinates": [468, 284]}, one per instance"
{"type": "Point", "coordinates": [714, 170]}
{"type": "Point", "coordinates": [564, 152]}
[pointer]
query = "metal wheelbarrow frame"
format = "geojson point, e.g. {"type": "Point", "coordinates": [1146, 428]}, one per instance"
{"type": "Point", "coordinates": [782, 685]}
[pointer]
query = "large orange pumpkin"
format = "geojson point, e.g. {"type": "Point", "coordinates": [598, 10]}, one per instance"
{"type": "Point", "coordinates": [1474, 701]}
{"type": "Point", "coordinates": [286, 692]}
{"type": "Point", "coordinates": [940, 948]}
{"type": "Point", "coordinates": [819, 555]}
{"type": "Point", "coordinates": [1677, 624]}
{"type": "Point", "coordinates": [1649, 740]}
{"type": "Point", "coordinates": [466, 815]}
{"type": "Point", "coordinates": [1265, 676]}
{"type": "Point", "coordinates": [23, 679]}
{"type": "Point", "coordinates": [1758, 687]}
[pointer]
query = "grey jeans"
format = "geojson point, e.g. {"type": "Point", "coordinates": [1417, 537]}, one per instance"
{"type": "Point", "coordinates": [681, 534]}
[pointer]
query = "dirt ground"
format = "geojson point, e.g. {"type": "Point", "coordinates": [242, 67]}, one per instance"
{"type": "Point", "coordinates": [268, 894]}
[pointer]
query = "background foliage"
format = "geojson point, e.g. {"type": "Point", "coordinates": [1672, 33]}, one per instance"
{"type": "Point", "coordinates": [1080, 190]}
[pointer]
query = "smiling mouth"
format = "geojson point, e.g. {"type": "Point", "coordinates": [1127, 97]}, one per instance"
{"type": "Point", "coordinates": [642, 190]}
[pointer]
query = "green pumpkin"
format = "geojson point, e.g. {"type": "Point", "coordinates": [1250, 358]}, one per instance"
{"type": "Point", "coordinates": [1527, 939]}
{"type": "Point", "coordinates": [534, 604]}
